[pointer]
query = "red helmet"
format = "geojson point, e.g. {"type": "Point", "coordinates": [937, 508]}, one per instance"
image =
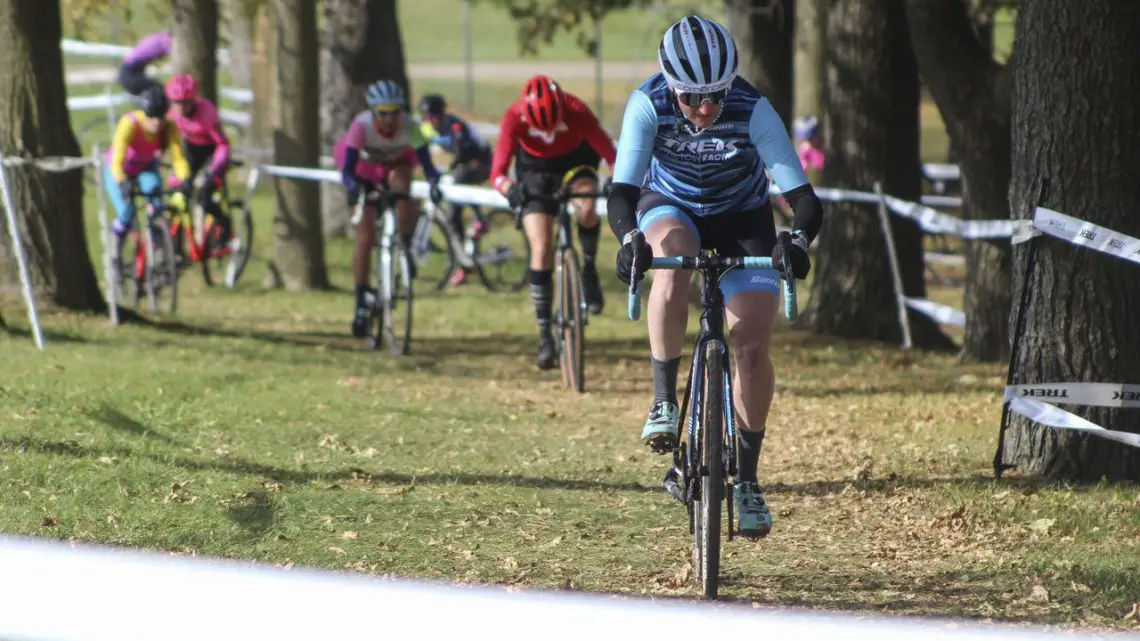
{"type": "Point", "coordinates": [543, 103]}
{"type": "Point", "coordinates": [182, 87]}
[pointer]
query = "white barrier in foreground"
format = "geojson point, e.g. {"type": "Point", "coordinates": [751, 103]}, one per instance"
{"type": "Point", "coordinates": [87, 593]}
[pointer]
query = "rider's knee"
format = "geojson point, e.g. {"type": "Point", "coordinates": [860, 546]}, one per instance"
{"type": "Point", "coordinates": [750, 349]}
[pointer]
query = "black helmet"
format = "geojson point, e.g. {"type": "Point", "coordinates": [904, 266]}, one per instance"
{"type": "Point", "coordinates": [433, 104]}
{"type": "Point", "coordinates": [153, 102]}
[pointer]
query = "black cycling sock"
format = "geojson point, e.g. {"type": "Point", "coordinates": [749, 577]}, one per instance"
{"type": "Point", "coordinates": [542, 294]}
{"type": "Point", "coordinates": [748, 456]}
{"type": "Point", "coordinates": [361, 290]}
{"type": "Point", "coordinates": [665, 380]}
{"type": "Point", "coordinates": [588, 236]}
{"type": "Point", "coordinates": [457, 217]}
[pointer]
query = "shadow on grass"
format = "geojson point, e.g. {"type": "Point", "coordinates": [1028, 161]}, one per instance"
{"type": "Point", "coordinates": [115, 419]}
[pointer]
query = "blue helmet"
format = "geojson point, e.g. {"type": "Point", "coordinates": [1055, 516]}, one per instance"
{"type": "Point", "coordinates": [385, 93]}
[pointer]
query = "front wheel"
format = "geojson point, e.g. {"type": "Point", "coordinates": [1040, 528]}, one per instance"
{"type": "Point", "coordinates": [707, 511]}
{"type": "Point", "coordinates": [393, 311]}
{"type": "Point", "coordinates": [160, 269]}
{"type": "Point", "coordinates": [571, 322]}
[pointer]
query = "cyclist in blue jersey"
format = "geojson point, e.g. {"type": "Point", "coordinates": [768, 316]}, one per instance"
{"type": "Point", "coordinates": [690, 173]}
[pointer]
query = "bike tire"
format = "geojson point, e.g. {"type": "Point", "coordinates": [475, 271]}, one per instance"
{"type": "Point", "coordinates": [394, 298]}
{"type": "Point", "coordinates": [571, 320]}
{"type": "Point", "coordinates": [161, 268]}
{"type": "Point", "coordinates": [504, 252]}
{"type": "Point", "coordinates": [241, 243]}
{"type": "Point", "coordinates": [707, 533]}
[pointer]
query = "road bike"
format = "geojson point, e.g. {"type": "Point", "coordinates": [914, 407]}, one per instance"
{"type": "Point", "coordinates": [392, 304]}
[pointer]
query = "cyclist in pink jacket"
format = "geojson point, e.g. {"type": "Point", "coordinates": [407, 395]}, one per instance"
{"type": "Point", "coordinates": [204, 142]}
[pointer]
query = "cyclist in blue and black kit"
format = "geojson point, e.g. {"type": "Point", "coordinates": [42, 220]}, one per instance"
{"type": "Point", "coordinates": [690, 173]}
{"type": "Point", "coordinates": [471, 163]}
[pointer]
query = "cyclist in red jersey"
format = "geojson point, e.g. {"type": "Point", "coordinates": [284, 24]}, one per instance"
{"type": "Point", "coordinates": [551, 133]}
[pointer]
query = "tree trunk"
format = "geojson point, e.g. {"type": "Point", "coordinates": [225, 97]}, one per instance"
{"type": "Point", "coordinates": [300, 249]}
{"type": "Point", "coordinates": [973, 93]}
{"type": "Point", "coordinates": [263, 83]}
{"type": "Point", "coordinates": [240, 15]}
{"type": "Point", "coordinates": [195, 31]}
{"type": "Point", "coordinates": [361, 45]}
{"type": "Point", "coordinates": [765, 37]}
{"type": "Point", "coordinates": [871, 133]}
{"type": "Point", "coordinates": [1076, 120]}
{"type": "Point", "coordinates": [808, 65]}
{"type": "Point", "coordinates": [34, 124]}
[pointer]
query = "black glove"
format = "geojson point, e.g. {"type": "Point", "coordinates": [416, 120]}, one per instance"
{"type": "Point", "coordinates": [633, 243]}
{"type": "Point", "coordinates": [608, 186]}
{"type": "Point", "coordinates": [435, 193]}
{"type": "Point", "coordinates": [801, 262]}
{"type": "Point", "coordinates": [515, 195]}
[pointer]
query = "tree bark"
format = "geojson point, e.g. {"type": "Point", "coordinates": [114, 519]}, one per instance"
{"type": "Point", "coordinates": [871, 133]}
{"type": "Point", "coordinates": [764, 31]}
{"type": "Point", "coordinates": [973, 93]}
{"type": "Point", "coordinates": [264, 80]}
{"type": "Point", "coordinates": [240, 15]}
{"type": "Point", "coordinates": [362, 44]}
{"type": "Point", "coordinates": [34, 123]}
{"type": "Point", "coordinates": [1076, 120]}
{"type": "Point", "coordinates": [299, 253]}
{"type": "Point", "coordinates": [808, 65]}
{"type": "Point", "coordinates": [195, 31]}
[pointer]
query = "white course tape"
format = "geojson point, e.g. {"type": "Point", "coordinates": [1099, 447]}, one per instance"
{"type": "Point", "coordinates": [943, 314]}
{"type": "Point", "coordinates": [936, 222]}
{"type": "Point", "coordinates": [948, 260]}
{"type": "Point", "coordinates": [103, 101]}
{"type": "Point", "coordinates": [936, 171]}
{"type": "Point", "coordinates": [1086, 234]}
{"type": "Point", "coordinates": [1046, 414]}
{"type": "Point", "coordinates": [50, 163]}
{"type": "Point", "coordinates": [1095, 394]}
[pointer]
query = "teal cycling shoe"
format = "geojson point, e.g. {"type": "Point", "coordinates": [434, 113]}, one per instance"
{"type": "Point", "coordinates": [660, 431]}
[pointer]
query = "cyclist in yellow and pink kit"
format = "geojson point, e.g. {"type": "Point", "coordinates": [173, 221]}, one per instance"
{"type": "Point", "coordinates": [131, 163]}
{"type": "Point", "coordinates": [203, 141]}
{"type": "Point", "coordinates": [382, 147]}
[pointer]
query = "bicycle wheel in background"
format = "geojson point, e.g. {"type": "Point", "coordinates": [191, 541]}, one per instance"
{"type": "Point", "coordinates": [706, 512]}
{"type": "Point", "coordinates": [241, 241]}
{"type": "Point", "coordinates": [503, 252]}
{"type": "Point", "coordinates": [570, 319]}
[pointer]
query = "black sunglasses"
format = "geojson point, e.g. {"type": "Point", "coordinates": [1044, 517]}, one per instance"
{"type": "Point", "coordinates": [695, 99]}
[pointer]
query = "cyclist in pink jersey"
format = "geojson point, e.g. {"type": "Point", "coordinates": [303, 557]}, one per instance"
{"type": "Point", "coordinates": [381, 148]}
{"type": "Point", "coordinates": [810, 150]}
{"type": "Point", "coordinates": [204, 142]}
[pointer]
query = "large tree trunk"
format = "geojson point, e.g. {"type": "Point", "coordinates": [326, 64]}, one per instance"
{"type": "Point", "coordinates": [973, 93]}
{"type": "Point", "coordinates": [240, 15]}
{"type": "Point", "coordinates": [362, 44]}
{"type": "Point", "coordinates": [300, 249]}
{"type": "Point", "coordinates": [811, 18]}
{"type": "Point", "coordinates": [765, 37]}
{"type": "Point", "coordinates": [871, 133]}
{"type": "Point", "coordinates": [195, 31]}
{"type": "Point", "coordinates": [1076, 120]}
{"type": "Point", "coordinates": [34, 124]}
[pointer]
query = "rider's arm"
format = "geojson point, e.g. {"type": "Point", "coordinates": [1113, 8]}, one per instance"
{"type": "Point", "coordinates": [221, 156]}
{"type": "Point", "coordinates": [149, 49]}
{"type": "Point", "coordinates": [177, 157]}
{"type": "Point", "coordinates": [634, 152]}
{"type": "Point", "coordinates": [124, 133]}
{"type": "Point", "coordinates": [422, 146]}
{"type": "Point", "coordinates": [505, 149]}
{"type": "Point", "coordinates": [770, 136]}
{"type": "Point", "coordinates": [353, 141]}
{"type": "Point", "coordinates": [595, 134]}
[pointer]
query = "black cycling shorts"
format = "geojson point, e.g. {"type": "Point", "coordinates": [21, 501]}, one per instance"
{"type": "Point", "coordinates": [544, 175]}
{"type": "Point", "coordinates": [742, 233]}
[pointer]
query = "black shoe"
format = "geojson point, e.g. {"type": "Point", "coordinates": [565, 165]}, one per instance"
{"type": "Point", "coordinates": [547, 355]}
{"type": "Point", "coordinates": [595, 300]}
{"type": "Point", "coordinates": [362, 316]}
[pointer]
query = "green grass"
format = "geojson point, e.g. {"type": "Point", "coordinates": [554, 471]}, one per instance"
{"type": "Point", "coordinates": [251, 427]}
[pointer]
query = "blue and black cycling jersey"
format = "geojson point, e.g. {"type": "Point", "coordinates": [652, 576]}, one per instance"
{"type": "Point", "coordinates": [713, 171]}
{"type": "Point", "coordinates": [459, 138]}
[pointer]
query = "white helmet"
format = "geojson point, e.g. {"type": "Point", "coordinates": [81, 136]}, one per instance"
{"type": "Point", "coordinates": [383, 93]}
{"type": "Point", "coordinates": [698, 56]}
